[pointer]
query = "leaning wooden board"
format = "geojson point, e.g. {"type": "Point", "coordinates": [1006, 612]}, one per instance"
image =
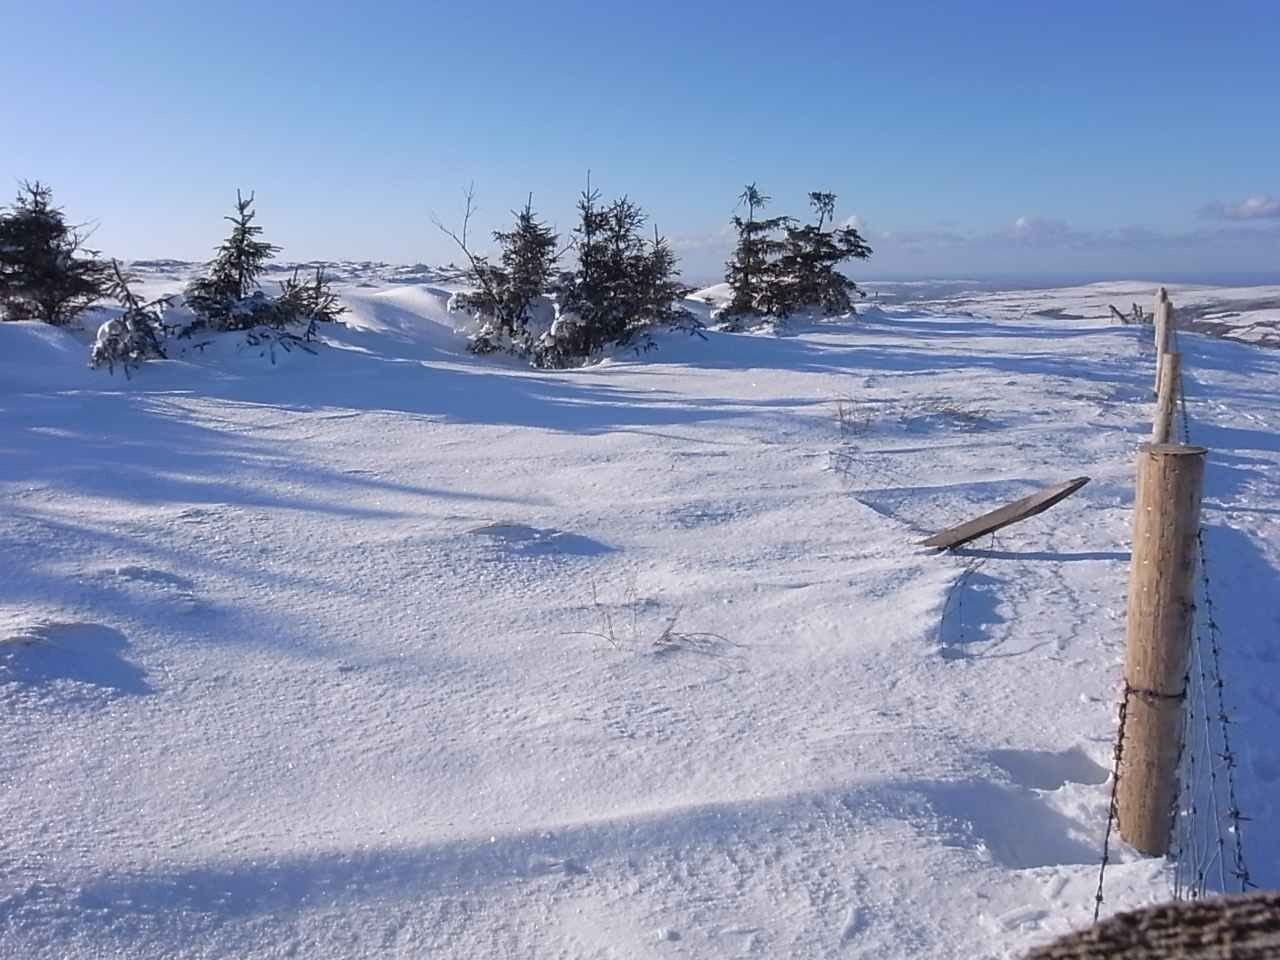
{"type": "Point", "coordinates": [998, 519]}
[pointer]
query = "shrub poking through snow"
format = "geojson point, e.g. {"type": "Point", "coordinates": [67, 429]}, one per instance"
{"type": "Point", "coordinates": [308, 301]}
{"type": "Point", "coordinates": [137, 334]}
{"type": "Point", "coordinates": [228, 296]}
{"type": "Point", "coordinates": [45, 271]}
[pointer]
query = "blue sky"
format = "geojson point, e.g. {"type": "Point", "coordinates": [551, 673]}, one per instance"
{"type": "Point", "coordinates": [996, 138]}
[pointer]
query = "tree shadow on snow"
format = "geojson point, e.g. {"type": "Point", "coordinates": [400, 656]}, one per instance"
{"type": "Point", "coordinates": [1007, 825]}
{"type": "Point", "coordinates": [142, 449]}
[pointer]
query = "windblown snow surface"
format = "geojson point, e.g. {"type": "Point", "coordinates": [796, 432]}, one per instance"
{"type": "Point", "coordinates": [391, 651]}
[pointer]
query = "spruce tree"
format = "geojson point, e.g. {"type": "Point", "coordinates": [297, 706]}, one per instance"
{"type": "Point", "coordinates": [589, 314]}
{"type": "Point", "coordinates": [750, 271]}
{"type": "Point", "coordinates": [623, 308]}
{"type": "Point", "coordinates": [624, 284]}
{"type": "Point", "coordinates": [45, 271]}
{"type": "Point", "coordinates": [227, 297]}
{"type": "Point", "coordinates": [137, 334]}
{"type": "Point", "coordinates": [660, 286]}
{"type": "Point", "coordinates": [587, 293]}
{"type": "Point", "coordinates": [528, 265]}
{"type": "Point", "coordinates": [506, 292]}
{"type": "Point", "coordinates": [806, 272]}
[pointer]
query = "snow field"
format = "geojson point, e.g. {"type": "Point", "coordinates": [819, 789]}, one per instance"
{"type": "Point", "coordinates": [393, 651]}
{"type": "Point", "coordinates": [1247, 314]}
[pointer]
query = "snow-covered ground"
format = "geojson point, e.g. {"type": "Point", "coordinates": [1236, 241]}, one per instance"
{"type": "Point", "coordinates": [393, 651]}
{"type": "Point", "coordinates": [1249, 314]}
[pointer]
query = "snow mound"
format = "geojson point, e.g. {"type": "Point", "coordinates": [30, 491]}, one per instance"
{"type": "Point", "coordinates": [412, 314]}
{"type": "Point", "coordinates": [37, 357]}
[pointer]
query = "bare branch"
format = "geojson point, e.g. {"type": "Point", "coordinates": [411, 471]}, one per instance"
{"type": "Point", "coordinates": [479, 264]}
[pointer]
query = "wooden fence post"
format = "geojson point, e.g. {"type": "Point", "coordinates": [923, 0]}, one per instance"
{"type": "Point", "coordinates": [1168, 376]}
{"type": "Point", "coordinates": [1163, 323]}
{"type": "Point", "coordinates": [1161, 613]}
{"type": "Point", "coordinates": [1161, 317]}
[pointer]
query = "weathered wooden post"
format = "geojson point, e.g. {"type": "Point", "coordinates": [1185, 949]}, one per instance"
{"type": "Point", "coordinates": [1163, 323]}
{"type": "Point", "coordinates": [1161, 613]}
{"type": "Point", "coordinates": [1168, 377]}
{"type": "Point", "coordinates": [1161, 318]}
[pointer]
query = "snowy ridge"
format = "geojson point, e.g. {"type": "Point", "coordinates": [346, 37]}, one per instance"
{"type": "Point", "coordinates": [395, 651]}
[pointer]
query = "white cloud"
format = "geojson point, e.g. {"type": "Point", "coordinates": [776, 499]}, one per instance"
{"type": "Point", "coordinates": [1043, 231]}
{"type": "Point", "coordinates": [1260, 206]}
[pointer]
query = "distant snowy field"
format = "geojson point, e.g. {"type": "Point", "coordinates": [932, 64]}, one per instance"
{"type": "Point", "coordinates": [393, 651]}
{"type": "Point", "coordinates": [1249, 314]}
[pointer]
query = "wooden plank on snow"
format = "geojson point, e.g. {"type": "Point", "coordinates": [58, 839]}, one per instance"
{"type": "Point", "coordinates": [1006, 515]}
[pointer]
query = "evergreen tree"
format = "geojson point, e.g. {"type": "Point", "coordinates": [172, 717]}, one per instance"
{"type": "Point", "coordinates": [45, 271]}
{"type": "Point", "coordinates": [587, 292]}
{"type": "Point", "coordinates": [227, 297]}
{"type": "Point", "coordinates": [623, 286]}
{"type": "Point", "coordinates": [508, 291]}
{"type": "Point", "coordinates": [621, 272]}
{"type": "Point", "coordinates": [623, 283]}
{"type": "Point", "coordinates": [528, 262]}
{"type": "Point", "coordinates": [751, 271]}
{"type": "Point", "coordinates": [806, 272]}
{"type": "Point", "coordinates": [137, 334]}
{"type": "Point", "coordinates": [591, 312]}
{"type": "Point", "coordinates": [660, 286]}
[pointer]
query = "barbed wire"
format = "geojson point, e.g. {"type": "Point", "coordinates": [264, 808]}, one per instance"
{"type": "Point", "coordinates": [1228, 756]}
{"type": "Point", "coordinates": [1212, 852]}
{"type": "Point", "coordinates": [1208, 628]}
{"type": "Point", "coordinates": [1113, 809]}
{"type": "Point", "coordinates": [1198, 845]}
{"type": "Point", "coordinates": [1183, 813]}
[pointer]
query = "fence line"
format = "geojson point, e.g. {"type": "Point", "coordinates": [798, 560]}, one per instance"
{"type": "Point", "coordinates": [1205, 807]}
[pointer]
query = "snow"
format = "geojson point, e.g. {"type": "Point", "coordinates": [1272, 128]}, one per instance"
{"type": "Point", "coordinates": [1250, 314]}
{"type": "Point", "coordinates": [395, 651]}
